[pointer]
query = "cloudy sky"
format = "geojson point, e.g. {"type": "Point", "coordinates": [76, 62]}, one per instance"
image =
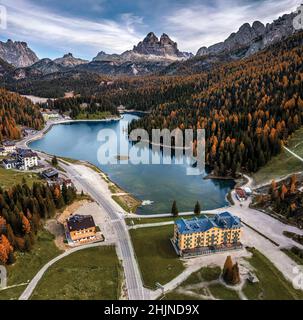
{"type": "Point", "coordinates": [85, 27]}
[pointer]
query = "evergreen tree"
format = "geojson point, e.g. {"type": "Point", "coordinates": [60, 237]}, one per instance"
{"type": "Point", "coordinates": [197, 209]}
{"type": "Point", "coordinates": [228, 270]}
{"type": "Point", "coordinates": [174, 209]}
{"type": "Point", "coordinates": [54, 161]}
{"type": "Point", "coordinates": [235, 274]}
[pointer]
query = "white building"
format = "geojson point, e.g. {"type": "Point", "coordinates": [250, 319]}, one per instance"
{"type": "Point", "coordinates": [27, 159]}
{"type": "Point", "coordinates": [50, 115]}
{"type": "Point", "coordinates": [9, 146]}
{"type": "Point", "coordinates": [3, 153]}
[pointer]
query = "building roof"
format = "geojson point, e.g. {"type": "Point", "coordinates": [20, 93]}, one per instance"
{"type": "Point", "coordinates": [241, 193]}
{"type": "Point", "coordinates": [26, 153]}
{"type": "Point", "coordinates": [50, 173]}
{"type": "Point", "coordinates": [224, 220]}
{"type": "Point", "coordinates": [80, 222]}
{"type": "Point", "coordinates": [8, 144]}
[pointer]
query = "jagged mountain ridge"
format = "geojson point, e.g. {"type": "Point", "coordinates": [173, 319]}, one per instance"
{"type": "Point", "coordinates": [149, 56]}
{"type": "Point", "coordinates": [150, 49]}
{"type": "Point", "coordinates": [17, 53]}
{"type": "Point", "coordinates": [47, 66]}
{"type": "Point", "coordinates": [254, 37]}
{"type": "Point", "coordinates": [68, 60]}
{"type": "Point", "coordinates": [154, 55]}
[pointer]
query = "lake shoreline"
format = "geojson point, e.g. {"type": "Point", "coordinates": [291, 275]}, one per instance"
{"type": "Point", "coordinates": [49, 125]}
{"type": "Point", "coordinates": [198, 195]}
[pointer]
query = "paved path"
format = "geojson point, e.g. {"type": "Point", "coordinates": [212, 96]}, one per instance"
{"type": "Point", "coordinates": [265, 225]}
{"type": "Point", "coordinates": [33, 283]}
{"type": "Point", "coordinates": [294, 154]}
{"type": "Point", "coordinates": [90, 185]}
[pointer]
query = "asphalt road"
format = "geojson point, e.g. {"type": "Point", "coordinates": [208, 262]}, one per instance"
{"type": "Point", "coordinates": [134, 284]}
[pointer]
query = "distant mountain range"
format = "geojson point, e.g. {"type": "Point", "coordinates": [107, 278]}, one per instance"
{"type": "Point", "coordinates": [152, 55]}
{"type": "Point", "coordinates": [253, 37]}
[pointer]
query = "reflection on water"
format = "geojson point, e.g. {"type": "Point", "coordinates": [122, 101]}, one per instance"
{"type": "Point", "coordinates": [157, 184]}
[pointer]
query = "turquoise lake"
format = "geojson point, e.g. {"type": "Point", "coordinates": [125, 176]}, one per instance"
{"type": "Point", "coordinates": [159, 183]}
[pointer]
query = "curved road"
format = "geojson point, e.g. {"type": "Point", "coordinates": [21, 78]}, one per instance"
{"type": "Point", "coordinates": [134, 284]}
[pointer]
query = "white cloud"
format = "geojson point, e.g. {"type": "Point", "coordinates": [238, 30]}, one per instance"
{"type": "Point", "coordinates": [30, 22]}
{"type": "Point", "coordinates": [194, 25]}
{"type": "Point", "coordinates": [205, 24]}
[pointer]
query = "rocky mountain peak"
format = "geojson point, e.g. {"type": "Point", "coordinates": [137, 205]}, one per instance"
{"type": "Point", "coordinates": [68, 60]}
{"type": "Point", "coordinates": [17, 53]}
{"type": "Point", "coordinates": [68, 55]}
{"type": "Point", "coordinates": [258, 27]}
{"type": "Point", "coordinates": [165, 40]}
{"type": "Point", "coordinates": [151, 38]}
{"type": "Point", "coordinates": [165, 47]}
{"type": "Point", "coordinates": [253, 38]}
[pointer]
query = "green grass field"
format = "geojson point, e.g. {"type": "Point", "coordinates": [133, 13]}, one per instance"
{"type": "Point", "coordinates": [293, 256]}
{"type": "Point", "coordinates": [157, 259]}
{"type": "Point", "coordinates": [29, 263]}
{"type": "Point", "coordinates": [222, 293]}
{"type": "Point", "coordinates": [90, 274]}
{"type": "Point", "coordinates": [202, 279]}
{"type": "Point", "coordinates": [204, 274]}
{"type": "Point", "coordinates": [272, 285]}
{"type": "Point", "coordinates": [9, 178]}
{"type": "Point", "coordinates": [283, 164]}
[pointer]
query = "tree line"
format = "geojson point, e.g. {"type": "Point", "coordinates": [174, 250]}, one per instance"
{"type": "Point", "coordinates": [248, 108]}
{"type": "Point", "coordinates": [82, 105]}
{"type": "Point", "coordinates": [16, 111]}
{"type": "Point", "coordinates": [22, 210]}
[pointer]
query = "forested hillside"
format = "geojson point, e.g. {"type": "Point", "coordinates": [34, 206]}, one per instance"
{"type": "Point", "coordinates": [21, 212]}
{"type": "Point", "coordinates": [84, 106]}
{"type": "Point", "coordinates": [15, 111]}
{"type": "Point", "coordinates": [248, 108]}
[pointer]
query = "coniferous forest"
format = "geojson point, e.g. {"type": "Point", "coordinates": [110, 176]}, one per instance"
{"type": "Point", "coordinates": [22, 210]}
{"type": "Point", "coordinates": [248, 108]}
{"type": "Point", "coordinates": [16, 111]}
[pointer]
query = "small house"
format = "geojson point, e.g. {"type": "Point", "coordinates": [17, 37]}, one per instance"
{"type": "Point", "coordinates": [9, 146]}
{"type": "Point", "coordinates": [81, 228]}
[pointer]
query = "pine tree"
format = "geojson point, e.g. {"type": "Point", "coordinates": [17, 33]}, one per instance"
{"type": "Point", "coordinates": [27, 243]}
{"type": "Point", "coordinates": [197, 209]}
{"type": "Point", "coordinates": [54, 161]}
{"type": "Point", "coordinates": [235, 274]}
{"type": "Point", "coordinates": [228, 270]}
{"type": "Point", "coordinates": [174, 209]}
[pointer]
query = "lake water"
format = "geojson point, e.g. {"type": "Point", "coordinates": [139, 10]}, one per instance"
{"type": "Point", "coordinates": [159, 183]}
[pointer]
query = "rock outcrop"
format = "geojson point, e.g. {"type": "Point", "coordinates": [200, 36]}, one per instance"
{"type": "Point", "coordinates": [68, 60]}
{"type": "Point", "coordinates": [253, 37]}
{"type": "Point", "coordinates": [17, 53]}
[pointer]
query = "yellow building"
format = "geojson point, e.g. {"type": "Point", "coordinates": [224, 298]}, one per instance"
{"type": "Point", "coordinates": [206, 235]}
{"type": "Point", "coordinates": [81, 229]}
